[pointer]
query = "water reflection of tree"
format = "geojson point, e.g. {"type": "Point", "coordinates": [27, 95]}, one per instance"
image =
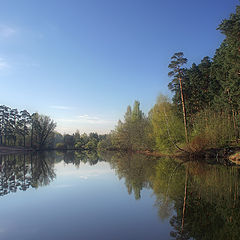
{"type": "Point", "coordinates": [19, 172]}
{"type": "Point", "coordinates": [42, 169]}
{"type": "Point", "coordinates": [76, 157]}
{"type": "Point", "coordinates": [202, 201]}
{"type": "Point", "coordinates": [136, 169]}
{"type": "Point", "coordinates": [211, 204]}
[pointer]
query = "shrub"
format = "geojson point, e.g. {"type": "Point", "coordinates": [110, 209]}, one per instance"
{"type": "Point", "coordinates": [60, 146]}
{"type": "Point", "coordinates": [215, 128]}
{"type": "Point", "coordinates": [198, 144]}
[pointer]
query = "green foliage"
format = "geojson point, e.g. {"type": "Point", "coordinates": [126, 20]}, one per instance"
{"type": "Point", "coordinates": [177, 61]}
{"type": "Point", "coordinates": [69, 141]}
{"type": "Point", "coordinates": [199, 88]}
{"type": "Point", "coordinates": [23, 129]}
{"type": "Point", "coordinates": [43, 131]}
{"type": "Point", "coordinates": [78, 145]}
{"type": "Point", "coordinates": [76, 136]}
{"type": "Point", "coordinates": [216, 128]}
{"type": "Point", "coordinates": [168, 128]}
{"type": "Point", "coordinates": [212, 85]}
{"type": "Point", "coordinates": [132, 134]}
{"type": "Point", "coordinates": [60, 146]}
{"type": "Point", "coordinates": [135, 169]}
{"type": "Point", "coordinates": [105, 144]}
{"type": "Point", "coordinates": [89, 142]}
{"type": "Point", "coordinates": [92, 144]}
{"type": "Point", "coordinates": [178, 73]}
{"type": "Point", "coordinates": [78, 141]}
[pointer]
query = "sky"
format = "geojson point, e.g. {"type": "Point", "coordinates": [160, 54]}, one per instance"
{"type": "Point", "coordinates": [82, 62]}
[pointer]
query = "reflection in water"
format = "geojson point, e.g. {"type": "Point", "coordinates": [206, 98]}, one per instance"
{"type": "Point", "coordinates": [21, 171]}
{"type": "Point", "coordinates": [201, 201]}
{"type": "Point", "coordinates": [137, 170]}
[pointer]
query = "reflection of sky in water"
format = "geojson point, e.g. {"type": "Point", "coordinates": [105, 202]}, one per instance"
{"type": "Point", "coordinates": [85, 171]}
{"type": "Point", "coordinates": [88, 202]}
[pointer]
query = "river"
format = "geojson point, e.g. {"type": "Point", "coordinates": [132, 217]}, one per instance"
{"type": "Point", "coordinates": [73, 195]}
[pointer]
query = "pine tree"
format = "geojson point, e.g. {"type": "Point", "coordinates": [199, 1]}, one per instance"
{"type": "Point", "coordinates": [177, 73]}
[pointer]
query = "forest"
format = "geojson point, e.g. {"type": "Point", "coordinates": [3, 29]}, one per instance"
{"type": "Point", "coordinates": [204, 111]}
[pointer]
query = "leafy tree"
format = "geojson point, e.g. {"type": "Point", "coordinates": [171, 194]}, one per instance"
{"type": "Point", "coordinates": [128, 114]}
{"type": "Point", "coordinates": [132, 133]}
{"type": "Point", "coordinates": [58, 138]}
{"type": "Point", "coordinates": [105, 144]}
{"type": "Point", "coordinates": [68, 141]}
{"type": "Point", "coordinates": [33, 125]}
{"type": "Point", "coordinates": [14, 119]}
{"type": "Point", "coordinates": [4, 115]}
{"type": "Point", "coordinates": [25, 120]}
{"type": "Point", "coordinates": [92, 144]}
{"type": "Point", "coordinates": [44, 128]}
{"type": "Point", "coordinates": [168, 129]}
{"type": "Point", "coordinates": [76, 136]}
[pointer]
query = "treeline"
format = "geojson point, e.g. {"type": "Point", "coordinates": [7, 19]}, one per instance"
{"type": "Point", "coordinates": [20, 128]}
{"type": "Point", "coordinates": [78, 141]}
{"type": "Point", "coordinates": [205, 108]}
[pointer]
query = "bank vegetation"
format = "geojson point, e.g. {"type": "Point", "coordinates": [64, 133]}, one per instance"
{"type": "Point", "coordinates": [204, 112]}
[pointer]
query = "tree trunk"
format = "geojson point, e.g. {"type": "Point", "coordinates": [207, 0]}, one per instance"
{"type": "Point", "coordinates": [184, 111]}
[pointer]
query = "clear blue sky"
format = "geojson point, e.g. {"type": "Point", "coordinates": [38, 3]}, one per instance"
{"type": "Point", "coordinates": [83, 61]}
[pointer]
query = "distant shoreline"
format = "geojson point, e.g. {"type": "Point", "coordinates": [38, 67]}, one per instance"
{"type": "Point", "coordinates": [4, 150]}
{"type": "Point", "coordinates": [13, 150]}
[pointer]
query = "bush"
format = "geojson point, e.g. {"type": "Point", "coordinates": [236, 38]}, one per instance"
{"type": "Point", "coordinates": [79, 145]}
{"type": "Point", "coordinates": [198, 144]}
{"type": "Point", "coordinates": [105, 144]}
{"type": "Point", "coordinates": [60, 146]}
{"type": "Point", "coordinates": [168, 128]}
{"type": "Point", "coordinates": [215, 128]}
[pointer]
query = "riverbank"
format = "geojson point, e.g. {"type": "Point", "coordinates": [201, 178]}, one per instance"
{"type": "Point", "coordinates": [224, 156]}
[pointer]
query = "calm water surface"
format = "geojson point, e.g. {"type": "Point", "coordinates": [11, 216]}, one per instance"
{"type": "Point", "coordinates": [115, 196]}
